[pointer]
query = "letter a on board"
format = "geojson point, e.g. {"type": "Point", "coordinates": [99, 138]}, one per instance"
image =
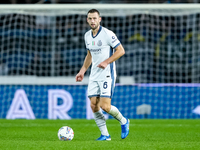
{"type": "Point", "coordinates": [20, 107]}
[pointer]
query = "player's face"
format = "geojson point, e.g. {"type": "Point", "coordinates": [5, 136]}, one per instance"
{"type": "Point", "coordinates": [93, 20]}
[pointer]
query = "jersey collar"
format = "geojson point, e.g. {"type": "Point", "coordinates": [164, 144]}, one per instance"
{"type": "Point", "coordinates": [97, 32]}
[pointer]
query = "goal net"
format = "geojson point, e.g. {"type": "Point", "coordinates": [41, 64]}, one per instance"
{"type": "Point", "coordinates": [42, 47]}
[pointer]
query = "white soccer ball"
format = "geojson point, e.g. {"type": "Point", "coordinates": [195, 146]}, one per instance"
{"type": "Point", "coordinates": [65, 133]}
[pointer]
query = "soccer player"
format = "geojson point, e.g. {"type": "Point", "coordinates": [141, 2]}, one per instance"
{"type": "Point", "coordinates": [104, 49]}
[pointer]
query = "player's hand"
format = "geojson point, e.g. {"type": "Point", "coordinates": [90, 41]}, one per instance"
{"type": "Point", "coordinates": [79, 77]}
{"type": "Point", "coordinates": [102, 65]}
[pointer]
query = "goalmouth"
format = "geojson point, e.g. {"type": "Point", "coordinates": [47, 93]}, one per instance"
{"type": "Point", "coordinates": [42, 49]}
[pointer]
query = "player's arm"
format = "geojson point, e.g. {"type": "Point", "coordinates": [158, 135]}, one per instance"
{"type": "Point", "coordinates": [86, 64]}
{"type": "Point", "coordinates": [119, 51]}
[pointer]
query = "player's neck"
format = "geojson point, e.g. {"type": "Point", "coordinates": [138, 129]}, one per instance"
{"type": "Point", "coordinates": [95, 31]}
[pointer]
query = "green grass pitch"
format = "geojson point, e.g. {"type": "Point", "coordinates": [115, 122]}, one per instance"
{"type": "Point", "coordinates": [145, 134]}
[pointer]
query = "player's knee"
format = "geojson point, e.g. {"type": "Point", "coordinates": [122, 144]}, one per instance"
{"type": "Point", "coordinates": [94, 107]}
{"type": "Point", "coordinates": [105, 107]}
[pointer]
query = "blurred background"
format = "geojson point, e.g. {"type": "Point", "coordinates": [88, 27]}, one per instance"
{"type": "Point", "coordinates": [42, 49]}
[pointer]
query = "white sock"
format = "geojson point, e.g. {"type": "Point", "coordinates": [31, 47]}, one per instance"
{"type": "Point", "coordinates": [117, 115]}
{"type": "Point", "coordinates": [101, 122]}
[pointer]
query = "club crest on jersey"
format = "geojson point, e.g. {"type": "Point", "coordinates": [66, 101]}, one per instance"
{"type": "Point", "coordinates": [99, 43]}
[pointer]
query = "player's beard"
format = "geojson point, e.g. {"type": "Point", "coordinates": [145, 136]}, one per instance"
{"type": "Point", "coordinates": [95, 27]}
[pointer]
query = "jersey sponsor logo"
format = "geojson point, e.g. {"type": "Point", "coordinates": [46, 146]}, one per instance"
{"type": "Point", "coordinates": [95, 51]}
{"type": "Point", "coordinates": [113, 37]}
{"type": "Point", "coordinates": [99, 43]}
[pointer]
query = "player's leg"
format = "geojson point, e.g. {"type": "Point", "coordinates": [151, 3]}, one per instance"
{"type": "Point", "coordinates": [123, 121]}
{"type": "Point", "coordinates": [105, 104]}
{"type": "Point", "coordinates": [93, 94]}
{"type": "Point", "coordinates": [99, 118]}
{"type": "Point", "coordinates": [107, 88]}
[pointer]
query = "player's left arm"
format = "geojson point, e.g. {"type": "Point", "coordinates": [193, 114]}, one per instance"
{"type": "Point", "coordinates": [119, 51]}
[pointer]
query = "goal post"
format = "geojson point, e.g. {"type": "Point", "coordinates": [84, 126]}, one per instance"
{"type": "Point", "coordinates": [42, 49]}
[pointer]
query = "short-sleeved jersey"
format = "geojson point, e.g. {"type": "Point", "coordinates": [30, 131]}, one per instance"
{"type": "Point", "coordinates": [101, 48]}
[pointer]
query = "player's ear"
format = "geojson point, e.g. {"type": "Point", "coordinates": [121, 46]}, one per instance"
{"type": "Point", "coordinates": [99, 19]}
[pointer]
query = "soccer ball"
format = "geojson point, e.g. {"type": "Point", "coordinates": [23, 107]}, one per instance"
{"type": "Point", "coordinates": [65, 133]}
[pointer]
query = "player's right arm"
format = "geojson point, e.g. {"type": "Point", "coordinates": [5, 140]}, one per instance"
{"type": "Point", "coordinates": [86, 64]}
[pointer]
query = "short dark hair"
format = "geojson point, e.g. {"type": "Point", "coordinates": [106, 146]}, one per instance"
{"type": "Point", "coordinates": [93, 11]}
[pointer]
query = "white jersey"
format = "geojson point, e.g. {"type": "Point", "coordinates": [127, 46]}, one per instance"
{"type": "Point", "coordinates": [101, 48]}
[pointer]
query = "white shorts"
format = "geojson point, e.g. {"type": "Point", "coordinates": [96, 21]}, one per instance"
{"type": "Point", "coordinates": [101, 88]}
